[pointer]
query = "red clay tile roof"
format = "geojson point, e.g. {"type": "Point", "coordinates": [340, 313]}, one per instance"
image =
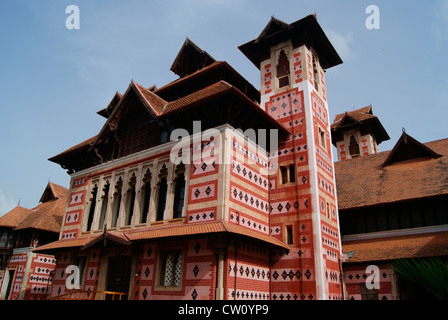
{"type": "Point", "coordinates": [200, 95]}
{"type": "Point", "coordinates": [358, 115]}
{"type": "Point", "coordinates": [62, 244]}
{"type": "Point", "coordinates": [364, 182]}
{"type": "Point", "coordinates": [362, 117]}
{"type": "Point", "coordinates": [82, 145]}
{"type": "Point", "coordinates": [46, 216]}
{"type": "Point", "coordinates": [191, 76]}
{"type": "Point", "coordinates": [200, 228]}
{"type": "Point", "coordinates": [166, 231]}
{"type": "Point", "coordinates": [150, 99]}
{"type": "Point", "coordinates": [409, 246]}
{"type": "Point", "coordinates": [14, 217]}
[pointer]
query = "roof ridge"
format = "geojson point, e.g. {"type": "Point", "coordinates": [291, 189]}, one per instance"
{"type": "Point", "coordinates": [35, 209]}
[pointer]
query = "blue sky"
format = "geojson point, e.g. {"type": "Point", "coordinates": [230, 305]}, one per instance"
{"type": "Point", "coordinates": [53, 80]}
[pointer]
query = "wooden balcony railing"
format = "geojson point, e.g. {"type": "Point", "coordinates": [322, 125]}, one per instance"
{"type": "Point", "coordinates": [91, 295]}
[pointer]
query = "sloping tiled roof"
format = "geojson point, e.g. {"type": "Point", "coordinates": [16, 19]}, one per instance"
{"type": "Point", "coordinates": [14, 217]}
{"type": "Point", "coordinates": [62, 244]}
{"type": "Point", "coordinates": [364, 182]}
{"type": "Point", "coordinates": [82, 145]}
{"type": "Point", "coordinates": [359, 118]}
{"type": "Point", "coordinates": [361, 114]}
{"type": "Point", "coordinates": [46, 216]}
{"type": "Point", "coordinates": [210, 91]}
{"type": "Point", "coordinates": [409, 246]}
{"type": "Point", "coordinates": [155, 102]}
{"type": "Point", "coordinates": [166, 231]}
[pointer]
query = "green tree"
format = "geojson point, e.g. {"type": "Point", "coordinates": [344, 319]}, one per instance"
{"type": "Point", "coordinates": [430, 273]}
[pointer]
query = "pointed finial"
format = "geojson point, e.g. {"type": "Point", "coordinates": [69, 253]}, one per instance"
{"type": "Point", "coordinates": [403, 130]}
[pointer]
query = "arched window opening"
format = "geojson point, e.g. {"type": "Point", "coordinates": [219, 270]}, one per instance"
{"type": "Point", "coordinates": [92, 208]}
{"type": "Point", "coordinates": [116, 203]}
{"type": "Point", "coordinates": [179, 192]}
{"type": "Point", "coordinates": [283, 70]}
{"type": "Point", "coordinates": [130, 200]}
{"type": "Point", "coordinates": [163, 187]}
{"type": "Point", "coordinates": [353, 147]}
{"type": "Point", "coordinates": [104, 202]}
{"type": "Point", "coordinates": [146, 197]}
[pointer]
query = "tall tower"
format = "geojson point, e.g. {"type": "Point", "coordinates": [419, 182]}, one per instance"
{"type": "Point", "coordinates": [292, 59]}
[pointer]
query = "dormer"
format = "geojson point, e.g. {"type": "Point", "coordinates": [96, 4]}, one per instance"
{"type": "Point", "coordinates": [408, 149]}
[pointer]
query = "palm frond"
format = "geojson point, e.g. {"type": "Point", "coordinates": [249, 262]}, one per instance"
{"type": "Point", "coordinates": [430, 273]}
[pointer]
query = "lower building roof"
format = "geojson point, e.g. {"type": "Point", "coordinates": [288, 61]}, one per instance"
{"type": "Point", "coordinates": [398, 247]}
{"type": "Point", "coordinates": [165, 231]}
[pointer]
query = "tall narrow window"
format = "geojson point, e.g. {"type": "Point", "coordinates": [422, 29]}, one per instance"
{"type": "Point", "coordinates": [322, 138]}
{"type": "Point", "coordinates": [283, 70]}
{"type": "Point", "coordinates": [116, 204]}
{"type": "Point", "coordinates": [104, 202]}
{"type": "Point", "coordinates": [292, 173]}
{"type": "Point", "coordinates": [284, 174]}
{"type": "Point", "coordinates": [146, 197]}
{"type": "Point", "coordinates": [316, 73]}
{"type": "Point", "coordinates": [179, 193]}
{"type": "Point", "coordinates": [289, 235]}
{"type": "Point", "coordinates": [353, 147]}
{"type": "Point", "coordinates": [161, 201]}
{"type": "Point", "coordinates": [130, 201]}
{"type": "Point", "coordinates": [92, 208]}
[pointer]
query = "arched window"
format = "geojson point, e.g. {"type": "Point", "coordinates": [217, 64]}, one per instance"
{"type": "Point", "coordinates": [116, 203]}
{"type": "Point", "coordinates": [353, 147]}
{"type": "Point", "coordinates": [163, 187]}
{"type": "Point", "coordinates": [179, 192]}
{"type": "Point", "coordinates": [146, 196]}
{"type": "Point", "coordinates": [104, 202]}
{"type": "Point", "coordinates": [130, 201]}
{"type": "Point", "coordinates": [92, 208]}
{"type": "Point", "coordinates": [283, 70]}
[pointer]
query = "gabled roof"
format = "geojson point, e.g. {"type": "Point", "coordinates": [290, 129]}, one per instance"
{"type": "Point", "coordinates": [46, 216]}
{"type": "Point", "coordinates": [362, 118]}
{"type": "Point", "coordinates": [14, 217]}
{"type": "Point", "coordinates": [357, 116]}
{"type": "Point", "coordinates": [190, 59]}
{"type": "Point", "coordinates": [306, 31]}
{"type": "Point", "coordinates": [160, 109]}
{"type": "Point", "coordinates": [274, 26]}
{"type": "Point", "coordinates": [216, 71]}
{"type": "Point", "coordinates": [152, 102]}
{"type": "Point", "coordinates": [110, 107]}
{"type": "Point", "coordinates": [364, 181]}
{"type": "Point", "coordinates": [52, 192]}
{"type": "Point", "coordinates": [408, 149]}
{"type": "Point", "coordinates": [114, 236]}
